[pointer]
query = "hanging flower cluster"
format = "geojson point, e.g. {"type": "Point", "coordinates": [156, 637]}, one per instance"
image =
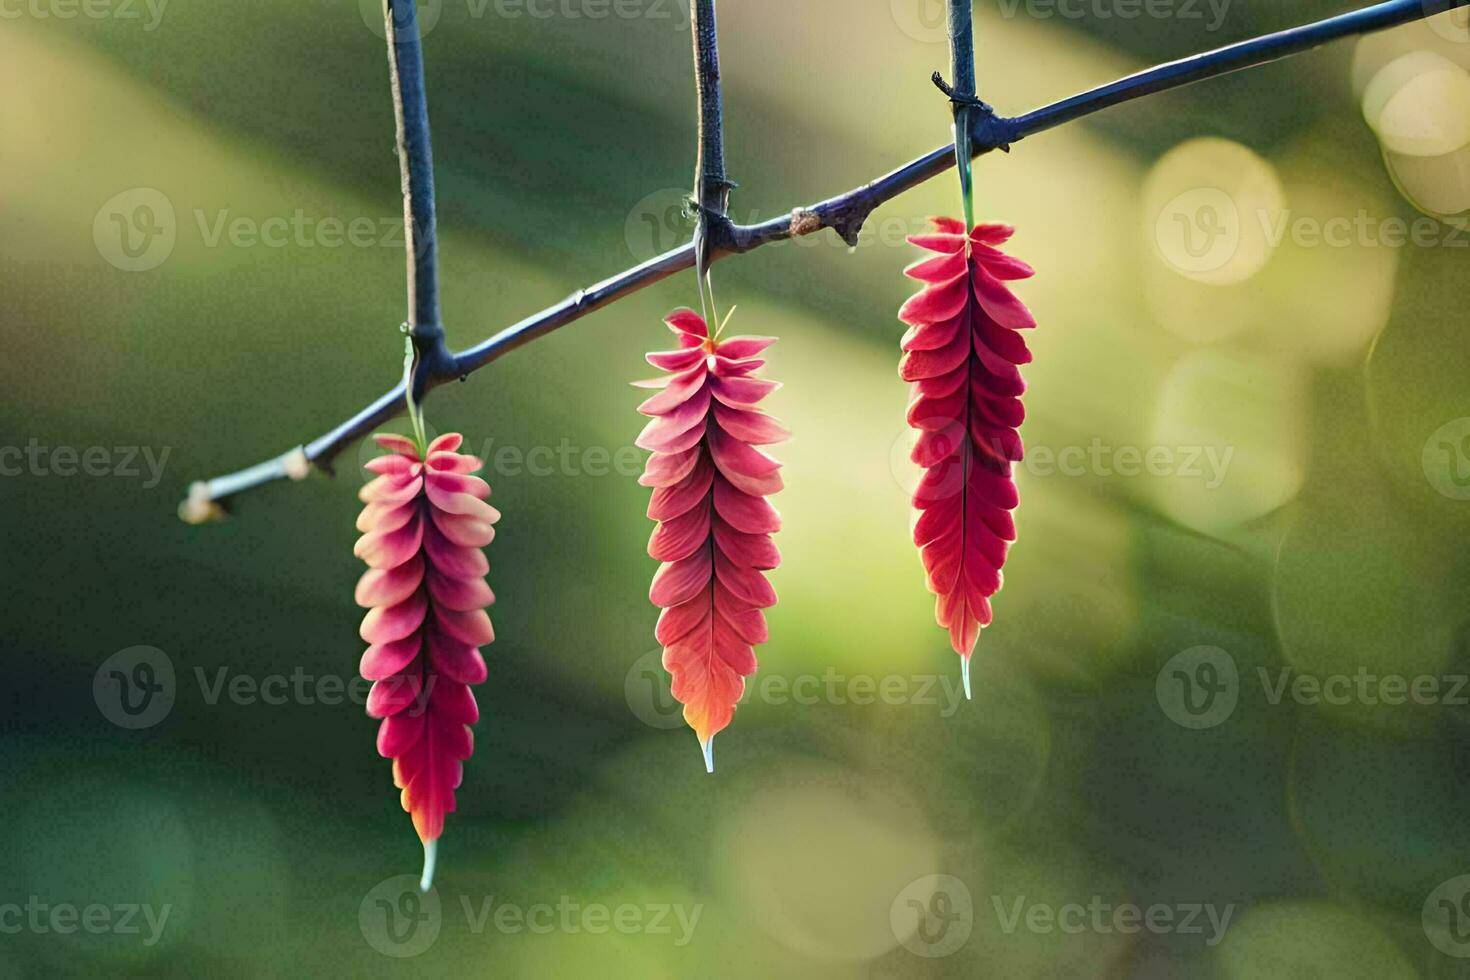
{"type": "Point", "coordinates": [425, 522]}
{"type": "Point", "coordinates": [710, 486]}
{"type": "Point", "coordinates": [961, 354]}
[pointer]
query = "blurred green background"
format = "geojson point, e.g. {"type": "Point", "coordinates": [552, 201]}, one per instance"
{"type": "Point", "coordinates": [1326, 376]}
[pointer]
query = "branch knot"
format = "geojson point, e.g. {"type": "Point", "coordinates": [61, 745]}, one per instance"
{"type": "Point", "coordinates": [986, 128]}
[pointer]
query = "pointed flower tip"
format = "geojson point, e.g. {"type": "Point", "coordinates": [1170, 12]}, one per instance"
{"type": "Point", "coordinates": [965, 676]}
{"type": "Point", "coordinates": [431, 858]}
{"type": "Point", "coordinates": [709, 754]}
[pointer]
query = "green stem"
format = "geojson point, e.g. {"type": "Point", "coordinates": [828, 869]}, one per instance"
{"type": "Point", "coordinates": [415, 415]}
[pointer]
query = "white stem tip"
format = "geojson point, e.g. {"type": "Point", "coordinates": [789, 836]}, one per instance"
{"type": "Point", "coordinates": [431, 857]}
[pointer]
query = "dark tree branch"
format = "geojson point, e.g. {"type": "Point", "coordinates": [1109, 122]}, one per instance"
{"type": "Point", "coordinates": [962, 95]}
{"type": "Point", "coordinates": [416, 169]}
{"type": "Point", "coordinates": [845, 214]}
{"type": "Point", "coordinates": [711, 184]}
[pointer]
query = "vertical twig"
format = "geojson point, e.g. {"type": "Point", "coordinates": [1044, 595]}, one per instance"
{"type": "Point", "coordinates": [962, 70]}
{"type": "Point", "coordinates": [416, 167]}
{"type": "Point", "coordinates": [711, 183]}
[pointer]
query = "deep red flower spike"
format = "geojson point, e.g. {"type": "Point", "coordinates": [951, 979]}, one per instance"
{"type": "Point", "coordinates": [961, 354]}
{"type": "Point", "coordinates": [423, 527]}
{"type": "Point", "coordinates": [714, 529]}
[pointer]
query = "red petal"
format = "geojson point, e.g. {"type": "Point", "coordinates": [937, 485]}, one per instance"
{"type": "Point", "coordinates": [754, 515]}
{"type": "Point", "coordinates": [687, 321]}
{"type": "Point", "coordinates": [678, 538]}
{"type": "Point", "coordinates": [736, 348]}
{"type": "Point", "coordinates": [750, 426]}
{"type": "Point", "coordinates": [385, 659]}
{"type": "Point", "coordinates": [678, 581]}
{"type": "Point", "coordinates": [667, 469]}
{"type": "Point", "coordinates": [671, 501]}
{"type": "Point", "coordinates": [681, 387]}
{"type": "Point", "coordinates": [742, 392]}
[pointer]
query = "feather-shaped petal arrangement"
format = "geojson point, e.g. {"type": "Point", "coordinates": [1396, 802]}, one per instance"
{"type": "Point", "coordinates": [710, 485]}
{"type": "Point", "coordinates": [423, 526]}
{"type": "Point", "coordinates": [961, 354]}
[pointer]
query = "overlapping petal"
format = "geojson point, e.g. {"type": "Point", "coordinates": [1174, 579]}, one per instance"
{"type": "Point", "coordinates": [961, 354]}
{"type": "Point", "coordinates": [714, 523]}
{"type": "Point", "coordinates": [423, 526]}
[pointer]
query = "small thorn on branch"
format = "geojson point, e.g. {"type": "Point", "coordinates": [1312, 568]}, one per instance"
{"type": "Point", "coordinates": [958, 98]}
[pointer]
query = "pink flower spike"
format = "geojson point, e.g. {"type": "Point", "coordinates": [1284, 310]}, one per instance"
{"type": "Point", "coordinates": [961, 354]}
{"type": "Point", "coordinates": [715, 525]}
{"type": "Point", "coordinates": [426, 594]}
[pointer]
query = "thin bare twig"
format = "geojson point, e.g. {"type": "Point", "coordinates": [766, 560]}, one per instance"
{"type": "Point", "coordinates": [845, 214]}
{"type": "Point", "coordinates": [712, 184]}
